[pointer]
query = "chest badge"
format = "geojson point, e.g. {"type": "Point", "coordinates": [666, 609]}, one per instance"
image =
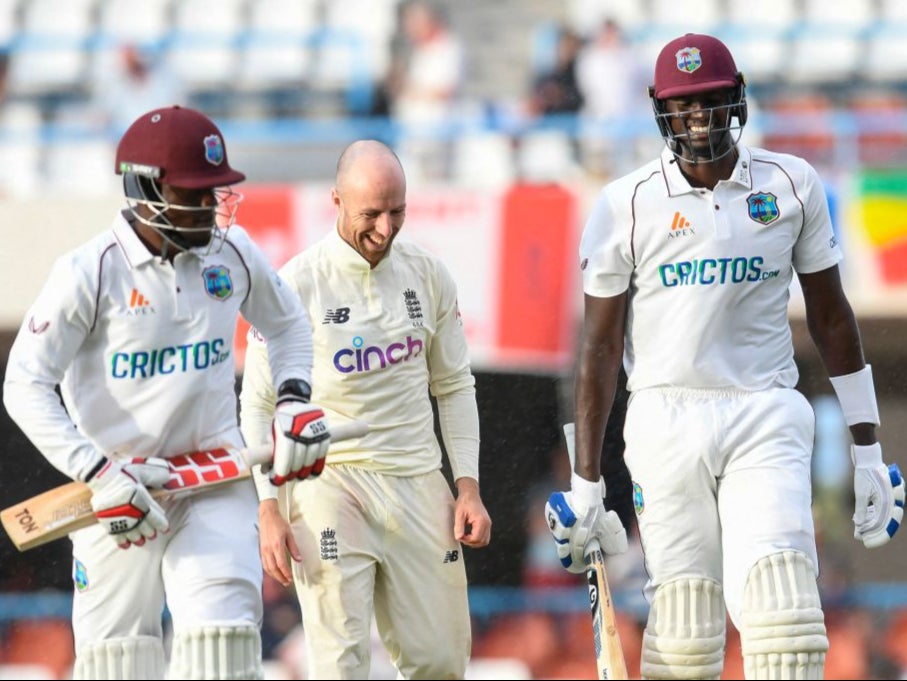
{"type": "Point", "coordinates": [763, 207]}
{"type": "Point", "coordinates": [218, 283]}
{"type": "Point", "coordinates": [413, 307]}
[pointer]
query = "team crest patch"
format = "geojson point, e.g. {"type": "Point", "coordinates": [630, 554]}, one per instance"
{"type": "Point", "coordinates": [214, 150]}
{"type": "Point", "coordinates": [763, 207]}
{"type": "Point", "coordinates": [217, 282]}
{"type": "Point", "coordinates": [79, 575]}
{"type": "Point", "coordinates": [688, 59]}
{"type": "Point", "coordinates": [638, 504]}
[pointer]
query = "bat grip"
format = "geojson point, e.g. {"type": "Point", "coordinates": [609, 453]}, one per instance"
{"type": "Point", "coordinates": [260, 454]}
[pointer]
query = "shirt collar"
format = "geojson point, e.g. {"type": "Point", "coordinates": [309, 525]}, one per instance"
{"type": "Point", "coordinates": [134, 250]}
{"type": "Point", "coordinates": [677, 183]}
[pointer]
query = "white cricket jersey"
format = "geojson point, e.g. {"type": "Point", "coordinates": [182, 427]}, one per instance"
{"type": "Point", "coordinates": [709, 272]}
{"type": "Point", "coordinates": [143, 350]}
{"type": "Point", "coordinates": [383, 338]}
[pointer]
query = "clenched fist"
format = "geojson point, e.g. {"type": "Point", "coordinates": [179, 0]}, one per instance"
{"type": "Point", "coordinates": [301, 439]}
{"type": "Point", "coordinates": [122, 503]}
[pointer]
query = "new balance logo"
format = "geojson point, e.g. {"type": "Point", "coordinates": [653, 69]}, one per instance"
{"type": "Point", "coordinates": [339, 316]}
{"type": "Point", "coordinates": [451, 556]}
{"type": "Point", "coordinates": [680, 227]}
{"type": "Point", "coordinates": [139, 304]}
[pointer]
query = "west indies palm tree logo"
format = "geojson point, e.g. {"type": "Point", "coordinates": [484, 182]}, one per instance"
{"type": "Point", "coordinates": [688, 59]}
{"type": "Point", "coordinates": [763, 207]}
{"type": "Point", "coordinates": [218, 283]}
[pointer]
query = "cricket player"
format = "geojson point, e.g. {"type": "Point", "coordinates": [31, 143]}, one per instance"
{"type": "Point", "coordinates": [687, 265]}
{"type": "Point", "coordinates": [378, 532]}
{"type": "Point", "coordinates": [136, 328]}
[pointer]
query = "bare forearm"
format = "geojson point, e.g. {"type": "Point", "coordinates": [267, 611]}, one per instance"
{"type": "Point", "coordinates": [596, 385]}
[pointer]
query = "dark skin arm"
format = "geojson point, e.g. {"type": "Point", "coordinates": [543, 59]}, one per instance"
{"type": "Point", "coordinates": [833, 328]}
{"type": "Point", "coordinates": [598, 368]}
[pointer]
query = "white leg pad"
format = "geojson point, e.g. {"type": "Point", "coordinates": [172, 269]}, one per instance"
{"type": "Point", "coordinates": [138, 657]}
{"type": "Point", "coordinates": [225, 651]}
{"type": "Point", "coordinates": [685, 633]}
{"type": "Point", "coordinates": [782, 632]}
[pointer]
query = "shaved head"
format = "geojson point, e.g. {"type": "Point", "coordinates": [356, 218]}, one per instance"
{"type": "Point", "coordinates": [370, 196]}
{"type": "Point", "coordinates": [367, 157]}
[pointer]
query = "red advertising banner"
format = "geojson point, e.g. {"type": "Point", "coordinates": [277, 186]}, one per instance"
{"type": "Point", "coordinates": [268, 214]}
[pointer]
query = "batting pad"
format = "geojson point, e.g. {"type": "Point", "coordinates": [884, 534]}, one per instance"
{"type": "Point", "coordinates": [685, 633]}
{"type": "Point", "coordinates": [222, 651]}
{"type": "Point", "coordinates": [783, 628]}
{"type": "Point", "coordinates": [139, 657]}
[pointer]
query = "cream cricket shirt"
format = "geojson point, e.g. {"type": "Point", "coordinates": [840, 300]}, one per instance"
{"type": "Point", "coordinates": [143, 349]}
{"type": "Point", "coordinates": [383, 337]}
{"type": "Point", "coordinates": [709, 272]}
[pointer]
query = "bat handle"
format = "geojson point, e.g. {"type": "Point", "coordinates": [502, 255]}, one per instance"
{"type": "Point", "coordinates": [592, 547]}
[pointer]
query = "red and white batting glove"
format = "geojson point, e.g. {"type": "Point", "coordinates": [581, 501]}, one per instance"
{"type": "Point", "coordinates": [122, 503]}
{"type": "Point", "coordinates": [300, 434]}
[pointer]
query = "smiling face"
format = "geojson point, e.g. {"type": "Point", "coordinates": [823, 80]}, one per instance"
{"type": "Point", "coordinates": [370, 196]}
{"type": "Point", "coordinates": [700, 124]}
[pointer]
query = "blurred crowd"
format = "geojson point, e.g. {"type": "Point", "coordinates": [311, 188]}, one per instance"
{"type": "Point", "coordinates": [570, 104]}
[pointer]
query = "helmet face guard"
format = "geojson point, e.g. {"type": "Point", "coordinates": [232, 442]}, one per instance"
{"type": "Point", "coordinates": [725, 126]}
{"type": "Point", "coordinates": [691, 66]}
{"type": "Point", "coordinates": [181, 148]}
{"type": "Point", "coordinates": [147, 205]}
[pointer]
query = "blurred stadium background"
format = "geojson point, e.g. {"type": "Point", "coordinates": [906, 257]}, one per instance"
{"type": "Point", "coordinates": [500, 182]}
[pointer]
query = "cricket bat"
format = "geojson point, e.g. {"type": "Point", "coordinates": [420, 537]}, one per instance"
{"type": "Point", "coordinates": [57, 512]}
{"type": "Point", "coordinates": [609, 655]}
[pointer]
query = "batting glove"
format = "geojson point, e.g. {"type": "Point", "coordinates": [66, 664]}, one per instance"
{"type": "Point", "coordinates": [122, 503]}
{"type": "Point", "coordinates": [577, 517]}
{"type": "Point", "coordinates": [301, 439]}
{"type": "Point", "coordinates": [879, 492]}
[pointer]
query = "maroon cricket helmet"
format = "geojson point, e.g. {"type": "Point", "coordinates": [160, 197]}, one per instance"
{"type": "Point", "coordinates": [176, 146]}
{"type": "Point", "coordinates": [694, 63]}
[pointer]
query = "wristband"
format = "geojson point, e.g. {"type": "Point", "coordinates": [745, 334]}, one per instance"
{"type": "Point", "coordinates": [857, 397]}
{"type": "Point", "coordinates": [866, 456]}
{"type": "Point", "coordinates": [294, 388]}
{"type": "Point", "coordinates": [586, 493]}
{"type": "Point", "coordinates": [95, 469]}
{"type": "Point", "coordinates": [263, 485]}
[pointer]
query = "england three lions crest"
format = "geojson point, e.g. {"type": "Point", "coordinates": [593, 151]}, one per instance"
{"type": "Point", "coordinates": [218, 283]}
{"type": "Point", "coordinates": [763, 207]}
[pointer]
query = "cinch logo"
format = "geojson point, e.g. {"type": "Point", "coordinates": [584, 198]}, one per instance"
{"type": "Point", "coordinates": [366, 358]}
{"type": "Point", "coordinates": [174, 359]}
{"type": "Point", "coordinates": [710, 271]}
